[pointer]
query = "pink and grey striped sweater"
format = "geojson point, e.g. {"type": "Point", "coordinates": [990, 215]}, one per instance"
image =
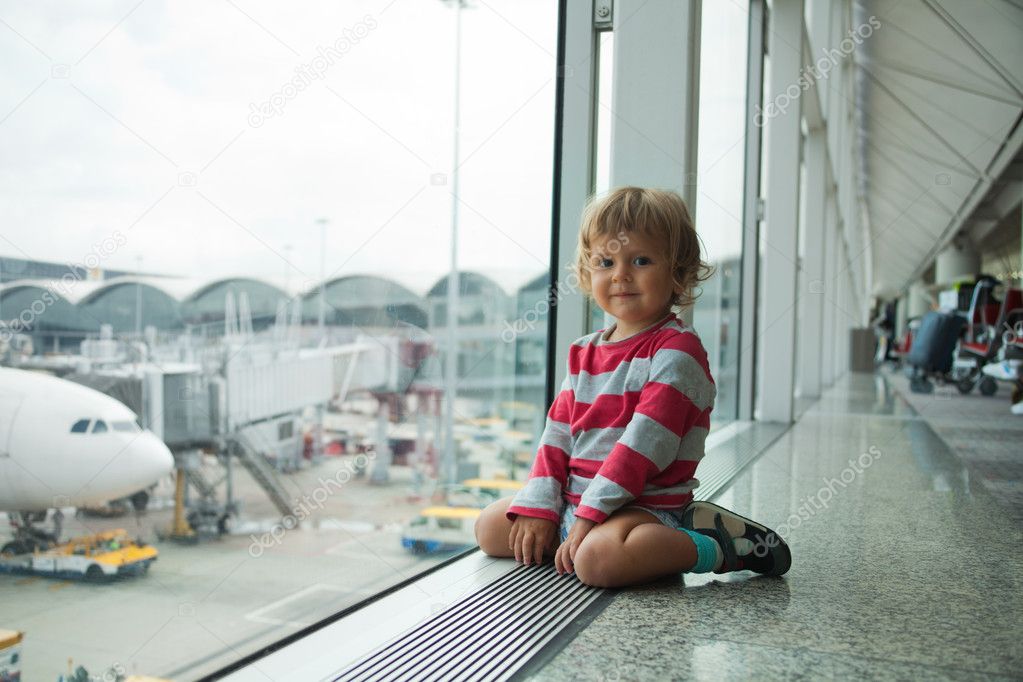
{"type": "Point", "coordinates": [628, 425]}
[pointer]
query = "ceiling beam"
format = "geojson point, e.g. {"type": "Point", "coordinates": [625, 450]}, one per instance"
{"type": "Point", "coordinates": [927, 234]}
{"type": "Point", "coordinates": [909, 176]}
{"type": "Point", "coordinates": [935, 78]}
{"type": "Point", "coordinates": [1006, 155]}
{"type": "Point", "coordinates": [975, 45]}
{"type": "Point", "coordinates": [939, 54]}
{"type": "Point", "coordinates": [928, 157]}
{"type": "Point", "coordinates": [1000, 201]}
{"type": "Point", "coordinates": [981, 229]}
{"type": "Point", "coordinates": [916, 117]}
{"type": "Point", "coordinates": [1014, 171]}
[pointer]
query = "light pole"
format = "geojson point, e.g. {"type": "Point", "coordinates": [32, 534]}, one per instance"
{"type": "Point", "coordinates": [138, 297]}
{"type": "Point", "coordinates": [322, 318]}
{"type": "Point", "coordinates": [450, 374]}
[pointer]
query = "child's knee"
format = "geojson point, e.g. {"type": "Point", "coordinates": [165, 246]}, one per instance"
{"type": "Point", "coordinates": [593, 561]}
{"type": "Point", "coordinates": [481, 527]}
{"type": "Point", "coordinates": [492, 529]}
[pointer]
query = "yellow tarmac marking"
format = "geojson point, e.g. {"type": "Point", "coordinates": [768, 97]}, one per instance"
{"type": "Point", "coordinates": [59, 586]}
{"type": "Point", "coordinates": [26, 581]}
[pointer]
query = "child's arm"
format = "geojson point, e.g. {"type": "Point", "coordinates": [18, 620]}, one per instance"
{"type": "Point", "coordinates": [541, 496]}
{"type": "Point", "coordinates": [678, 396]}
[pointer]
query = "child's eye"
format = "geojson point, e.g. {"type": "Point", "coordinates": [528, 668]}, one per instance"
{"type": "Point", "coordinates": [604, 262]}
{"type": "Point", "coordinates": [642, 260]}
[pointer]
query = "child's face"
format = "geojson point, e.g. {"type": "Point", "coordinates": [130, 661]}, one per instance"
{"type": "Point", "coordinates": [631, 280]}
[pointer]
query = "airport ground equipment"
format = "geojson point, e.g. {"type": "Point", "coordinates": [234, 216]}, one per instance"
{"type": "Point", "coordinates": [262, 471]}
{"type": "Point", "coordinates": [441, 529]}
{"type": "Point", "coordinates": [97, 558]}
{"type": "Point", "coordinates": [10, 655]}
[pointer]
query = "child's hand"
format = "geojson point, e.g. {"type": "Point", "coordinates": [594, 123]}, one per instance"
{"type": "Point", "coordinates": [529, 537]}
{"type": "Point", "coordinates": [564, 558]}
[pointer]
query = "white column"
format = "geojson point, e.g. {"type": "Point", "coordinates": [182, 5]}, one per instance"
{"type": "Point", "coordinates": [835, 301]}
{"type": "Point", "coordinates": [956, 261]}
{"type": "Point", "coordinates": [775, 354]}
{"type": "Point", "coordinates": [811, 288]}
{"type": "Point", "coordinates": [901, 315]}
{"type": "Point", "coordinates": [848, 323]}
{"type": "Point", "coordinates": [656, 95]}
{"type": "Point", "coordinates": [827, 283]}
{"type": "Point", "coordinates": [919, 300]}
{"type": "Point", "coordinates": [834, 287]}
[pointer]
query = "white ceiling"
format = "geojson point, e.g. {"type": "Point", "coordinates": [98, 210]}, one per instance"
{"type": "Point", "coordinates": [939, 107]}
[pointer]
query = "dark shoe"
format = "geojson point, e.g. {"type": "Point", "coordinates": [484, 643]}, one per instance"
{"type": "Point", "coordinates": [762, 552]}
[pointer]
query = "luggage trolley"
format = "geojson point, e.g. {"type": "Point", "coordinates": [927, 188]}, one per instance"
{"type": "Point", "coordinates": [933, 351]}
{"type": "Point", "coordinates": [991, 325]}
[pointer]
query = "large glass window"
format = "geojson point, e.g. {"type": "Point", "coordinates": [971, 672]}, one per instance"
{"type": "Point", "coordinates": [237, 220]}
{"type": "Point", "coordinates": [719, 205]}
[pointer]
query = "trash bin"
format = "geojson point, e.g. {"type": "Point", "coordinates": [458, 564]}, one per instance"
{"type": "Point", "coordinates": [861, 349]}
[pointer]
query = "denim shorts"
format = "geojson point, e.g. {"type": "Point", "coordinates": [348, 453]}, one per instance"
{"type": "Point", "coordinates": [669, 517]}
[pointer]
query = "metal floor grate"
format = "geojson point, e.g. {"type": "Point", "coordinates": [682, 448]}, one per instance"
{"type": "Point", "coordinates": [493, 633]}
{"type": "Point", "coordinates": [487, 635]}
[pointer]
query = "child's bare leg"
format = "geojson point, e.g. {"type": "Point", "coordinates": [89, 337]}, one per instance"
{"type": "Point", "coordinates": [493, 529]}
{"type": "Point", "coordinates": [632, 547]}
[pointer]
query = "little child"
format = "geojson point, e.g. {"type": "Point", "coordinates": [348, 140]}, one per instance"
{"type": "Point", "coordinates": [615, 469]}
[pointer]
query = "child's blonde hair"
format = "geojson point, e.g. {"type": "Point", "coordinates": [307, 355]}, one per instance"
{"type": "Point", "coordinates": [656, 213]}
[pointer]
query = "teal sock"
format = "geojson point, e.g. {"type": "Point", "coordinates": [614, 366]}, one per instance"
{"type": "Point", "coordinates": [708, 553]}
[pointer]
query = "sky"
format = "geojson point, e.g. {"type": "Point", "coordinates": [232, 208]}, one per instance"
{"type": "Point", "coordinates": [136, 120]}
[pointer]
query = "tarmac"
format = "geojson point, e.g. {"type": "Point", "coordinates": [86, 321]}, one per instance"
{"type": "Point", "coordinates": [204, 605]}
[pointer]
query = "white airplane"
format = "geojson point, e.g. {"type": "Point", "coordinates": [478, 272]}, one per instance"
{"type": "Point", "coordinates": [65, 445]}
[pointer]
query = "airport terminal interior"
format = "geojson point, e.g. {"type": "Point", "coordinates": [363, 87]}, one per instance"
{"type": "Point", "coordinates": [287, 294]}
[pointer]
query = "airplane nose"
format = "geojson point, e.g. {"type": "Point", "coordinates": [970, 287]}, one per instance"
{"type": "Point", "coordinates": [154, 459]}
{"type": "Point", "coordinates": [143, 461]}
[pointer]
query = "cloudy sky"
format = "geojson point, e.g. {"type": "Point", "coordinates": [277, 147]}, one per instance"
{"type": "Point", "coordinates": [137, 118]}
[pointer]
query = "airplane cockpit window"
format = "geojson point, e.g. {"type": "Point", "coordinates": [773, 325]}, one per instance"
{"type": "Point", "coordinates": [80, 426]}
{"type": "Point", "coordinates": [100, 427]}
{"type": "Point", "coordinates": [125, 426]}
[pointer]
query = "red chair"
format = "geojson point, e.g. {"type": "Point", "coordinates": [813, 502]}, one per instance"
{"type": "Point", "coordinates": [988, 319]}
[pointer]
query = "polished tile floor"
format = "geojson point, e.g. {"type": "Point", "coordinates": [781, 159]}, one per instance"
{"type": "Point", "coordinates": [904, 566]}
{"type": "Point", "coordinates": [981, 431]}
